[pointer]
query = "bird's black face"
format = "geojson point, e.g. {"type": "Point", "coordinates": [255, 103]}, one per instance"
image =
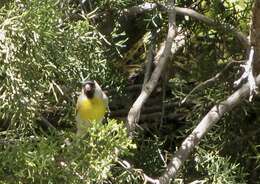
{"type": "Point", "coordinates": [89, 88]}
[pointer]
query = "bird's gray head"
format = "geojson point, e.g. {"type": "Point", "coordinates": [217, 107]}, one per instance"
{"type": "Point", "coordinates": [89, 88]}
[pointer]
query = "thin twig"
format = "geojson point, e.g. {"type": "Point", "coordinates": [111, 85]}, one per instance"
{"type": "Point", "coordinates": [224, 27]}
{"type": "Point", "coordinates": [126, 165]}
{"type": "Point", "coordinates": [211, 80]}
{"type": "Point", "coordinates": [146, 7]}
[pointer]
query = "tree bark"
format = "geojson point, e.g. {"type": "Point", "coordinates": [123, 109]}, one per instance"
{"type": "Point", "coordinates": [212, 117]}
{"type": "Point", "coordinates": [255, 35]}
{"type": "Point", "coordinates": [134, 113]}
{"type": "Point", "coordinates": [191, 13]}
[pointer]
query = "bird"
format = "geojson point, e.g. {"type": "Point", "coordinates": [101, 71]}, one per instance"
{"type": "Point", "coordinates": [91, 107]}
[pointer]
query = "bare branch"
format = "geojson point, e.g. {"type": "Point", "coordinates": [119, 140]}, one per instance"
{"type": "Point", "coordinates": [134, 113]}
{"type": "Point", "coordinates": [248, 75]}
{"type": "Point", "coordinates": [149, 61]}
{"type": "Point", "coordinates": [126, 165]}
{"type": "Point", "coordinates": [212, 117]}
{"type": "Point", "coordinates": [211, 80]}
{"type": "Point", "coordinates": [135, 10]}
{"type": "Point", "coordinates": [199, 182]}
{"type": "Point", "coordinates": [191, 13]}
{"type": "Point", "coordinates": [252, 65]}
{"type": "Point", "coordinates": [225, 27]}
{"type": "Point", "coordinates": [150, 180]}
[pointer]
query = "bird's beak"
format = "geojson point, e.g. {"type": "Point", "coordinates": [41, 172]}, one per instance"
{"type": "Point", "coordinates": [87, 87]}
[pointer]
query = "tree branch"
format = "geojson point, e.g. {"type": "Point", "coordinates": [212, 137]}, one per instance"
{"type": "Point", "coordinates": [149, 60]}
{"type": "Point", "coordinates": [252, 66]}
{"type": "Point", "coordinates": [248, 75]}
{"type": "Point", "coordinates": [134, 113]}
{"type": "Point", "coordinates": [224, 27]}
{"type": "Point", "coordinates": [135, 10]}
{"type": "Point", "coordinates": [255, 35]}
{"type": "Point", "coordinates": [212, 117]}
{"type": "Point", "coordinates": [211, 80]}
{"type": "Point", "coordinates": [191, 13]}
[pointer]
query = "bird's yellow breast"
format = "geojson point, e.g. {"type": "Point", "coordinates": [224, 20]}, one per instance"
{"type": "Point", "coordinates": [91, 109]}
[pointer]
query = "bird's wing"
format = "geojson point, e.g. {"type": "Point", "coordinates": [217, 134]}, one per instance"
{"type": "Point", "coordinates": [103, 95]}
{"type": "Point", "coordinates": [78, 105]}
{"type": "Point", "coordinates": [105, 98]}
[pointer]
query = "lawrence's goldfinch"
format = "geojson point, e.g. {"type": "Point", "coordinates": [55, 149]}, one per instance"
{"type": "Point", "coordinates": [91, 106]}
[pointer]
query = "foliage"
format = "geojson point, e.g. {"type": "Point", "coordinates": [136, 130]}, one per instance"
{"type": "Point", "coordinates": [48, 47]}
{"type": "Point", "coordinates": [114, 4]}
{"type": "Point", "coordinates": [225, 154]}
{"type": "Point", "coordinates": [44, 58]}
{"type": "Point", "coordinates": [64, 158]}
{"type": "Point", "coordinates": [217, 169]}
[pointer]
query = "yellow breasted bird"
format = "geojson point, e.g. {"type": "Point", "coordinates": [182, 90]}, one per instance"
{"type": "Point", "coordinates": [91, 106]}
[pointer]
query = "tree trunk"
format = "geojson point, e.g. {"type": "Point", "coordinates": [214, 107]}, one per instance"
{"type": "Point", "coordinates": [255, 35]}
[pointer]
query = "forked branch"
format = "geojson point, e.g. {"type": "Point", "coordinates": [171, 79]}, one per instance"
{"type": "Point", "coordinates": [134, 113]}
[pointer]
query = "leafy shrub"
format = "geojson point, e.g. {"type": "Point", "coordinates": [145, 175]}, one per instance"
{"type": "Point", "coordinates": [61, 157]}
{"type": "Point", "coordinates": [43, 59]}
{"type": "Point", "coordinates": [218, 169]}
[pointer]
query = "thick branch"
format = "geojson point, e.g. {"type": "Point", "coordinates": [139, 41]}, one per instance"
{"type": "Point", "coordinates": [149, 61]}
{"type": "Point", "coordinates": [134, 113]}
{"type": "Point", "coordinates": [248, 74]}
{"type": "Point", "coordinates": [255, 35]}
{"type": "Point", "coordinates": [212, 117]}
